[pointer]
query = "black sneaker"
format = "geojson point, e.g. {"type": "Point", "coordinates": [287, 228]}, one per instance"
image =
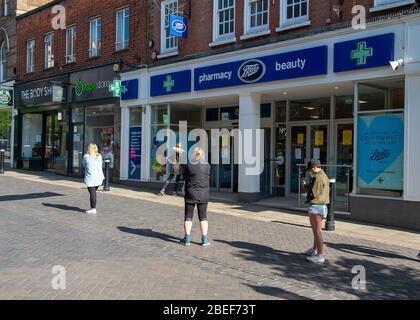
{"type": "Point", "coordinates": [186, 241]}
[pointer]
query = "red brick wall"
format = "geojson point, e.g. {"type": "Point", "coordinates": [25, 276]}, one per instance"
{"type": "Point", "coordinates": [201, 22]}
{"type": "Point", "coordinates": [80, 12]}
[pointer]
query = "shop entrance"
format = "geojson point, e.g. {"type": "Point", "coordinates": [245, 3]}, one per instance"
{"type": "Point", "coordinates": [307, 141]}
{"type": "Point", "coordinates": [55, 151]}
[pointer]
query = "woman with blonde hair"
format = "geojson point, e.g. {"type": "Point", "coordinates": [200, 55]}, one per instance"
{"type": "Point", "coordinates": [94, 176]}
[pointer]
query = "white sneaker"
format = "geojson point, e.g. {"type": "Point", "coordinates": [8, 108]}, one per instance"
{"type": "Point", "coordinates": [310, 252]}
{"type": "Point", "coordinates": [318, 258]}
{"type": "Point", "coordinates": [91, 211]}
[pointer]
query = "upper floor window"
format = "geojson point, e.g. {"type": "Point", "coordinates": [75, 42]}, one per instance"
{"type": "Point", "coordinates": [6, 9]}
{"type": "Point", "coordinates": [95, 41]}
{"type": "Point", "coordinates": [49, 56]}
{"type": "Point", "coordinates": [256, 15]}
{"type": "Point", "coordinates": [224, 19]}
{"type": "Point", "coordinates": [3, 62]}
{"type": "Point", "coordinates": [294, 11]}
{"type": "Point", "coordinates": [169, 43]}
{"type": "Point", "coordinates": [30, 56]}
{"type": "Point", "coordinates": [71, 44]}
{"type": "Point", "coordinates": [123, 29]}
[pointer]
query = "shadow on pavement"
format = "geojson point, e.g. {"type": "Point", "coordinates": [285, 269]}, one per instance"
{"type": "Point", "coordinates": [63, 207]}
{"type": "Point", "coordinates": [277, 292]}
{"type": "Point", "coordinates": [335, 277]}
{"type": "Point", "coordinates": [150, 233]}
{"type": "Point", "coordinates": [30, 196]}
{"type": "Point", "coordinates": [292, 224]}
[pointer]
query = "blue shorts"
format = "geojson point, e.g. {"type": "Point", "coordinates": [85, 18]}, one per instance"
{"type": "Point", "coordinates": [320, 209]}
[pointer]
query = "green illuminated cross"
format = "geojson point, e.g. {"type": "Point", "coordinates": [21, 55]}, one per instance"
{"type": "Point", "coordinates": [380, 180]}
{"type": "Point", "coordinates": [168, 83]}
{"type": "Point", "coordinates": [361, 53]}
{"type": "Point", "coordinates": [116, 88]}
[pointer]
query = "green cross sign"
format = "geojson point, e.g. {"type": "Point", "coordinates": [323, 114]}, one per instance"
{"type": "Point", "coordinates": [380, 180]}
{"type": "Point", "coordinates": [117, 88]}
{"type": "Point", "coordinates": [362, 53]}
{"type": "Point", "coordinates": [168, 83]}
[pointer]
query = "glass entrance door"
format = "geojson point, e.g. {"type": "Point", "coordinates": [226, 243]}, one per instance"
{"type": "Point", "coordinates": [344, 154]}
{"type": "Point", "coordinates": [302, 149]}
{"type": "Point", "coordinates": [55, 152]}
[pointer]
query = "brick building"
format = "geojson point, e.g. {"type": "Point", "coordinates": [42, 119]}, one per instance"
{"type": "Point", "coordinates": [9, 9]}
{"type": "Point", "coordinates": [65, 92]}
{"type": "Point", "coordinates": [299, 72]}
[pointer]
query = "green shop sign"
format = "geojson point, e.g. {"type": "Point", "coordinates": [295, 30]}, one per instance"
{"type": "Point", "coordinates": [89, 87]}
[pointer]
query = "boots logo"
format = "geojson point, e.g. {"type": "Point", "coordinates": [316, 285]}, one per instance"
{"type": "Point", "coordinates": [377, 155]}
{"type": "Point", "coordinates": [251, 71]}
{"type": "Point", "coordinates": [179, 26]}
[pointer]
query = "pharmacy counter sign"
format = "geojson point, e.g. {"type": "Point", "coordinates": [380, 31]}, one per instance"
{"type": "Point", "coordinates": [170, 83]}
{"type": "Point", "coordinates": [289, 65]}
{"type": "Point", "coordinates": [363, 53]}
{"type": "Point", "coordinates": [381, 152]}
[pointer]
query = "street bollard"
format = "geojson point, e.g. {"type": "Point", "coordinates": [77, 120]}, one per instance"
{"type": "Point", "coordinates": [2, 161]}
{"type": "Point", "coordinates": [330, 222]}
{"type": "Point", "coordinates": [106, 184]}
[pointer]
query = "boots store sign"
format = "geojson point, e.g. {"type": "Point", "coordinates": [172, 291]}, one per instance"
{"type": "Point", "coordinates": [92, 84]}
{"type": "Point", "coordinates": [43, 92]}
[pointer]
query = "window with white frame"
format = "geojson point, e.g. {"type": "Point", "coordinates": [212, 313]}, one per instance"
{"type": "Point", "coordinates": [379, 3]}
{"type": "Point", "coordinates": [5, 7]}
{"type": "Point", "coordinates": [49, 56]}
{"type": "Point", "coordinates": [169, 43]}
{"type": "Point", "coordinates": [30, 56]}
{"type": "Point", "coordinates": [95, 37]}
{"type": "Point", "coordinates": [123, 29]}
{"type": "Point", "coordinates": [256, 15]}
{"type": "Point", "coordinates": [224, 19]}
{"type": "Point", "coordinates": [294, 11]}
{"type": "Point", "coordinates": [71, 44]}
{"type": "Point", "coordinates": [3, 62]}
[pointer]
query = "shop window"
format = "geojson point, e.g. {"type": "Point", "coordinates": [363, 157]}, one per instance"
{"type": "Point", "coordinates": [136, 115]}
{"type": "Point", "coordinates": [99, 129]}
{"type": "Point", "coordinates": [344, 107]}
{"type": "Point", "coordinates": [135, 146]}
{"type": "Point", "coordinates": [280, 157]}
{"type": "Point", "coordinates": [265, 110]}
{"type": "Point", "coordinates": [380, 138]}
{"type": "Point", "coordinates": [159, 120]}
{"type": "Point", "coordinates": [31, 137]}
{"type": "Point", "coordinates": [229, 113]}
{"type": "Point", "coordinates": [280, 111]}
{"type": "Point", "coordinates": [316, 109]}
{"type": "Point", "coordinates": [212, 114]}
{"type": "Point", "coordinates": [5, 131]}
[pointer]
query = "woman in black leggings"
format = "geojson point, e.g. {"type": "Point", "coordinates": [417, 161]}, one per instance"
{"type": "Point", "coordinates": [197, 185]}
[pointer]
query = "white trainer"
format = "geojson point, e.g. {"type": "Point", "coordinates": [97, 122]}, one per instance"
{"type": "Point", "coordinates": [310, 252]}
{"type": "Point", "coordinates": [318, 258]}
{"type": "Point", "coordinates": [91, 211]}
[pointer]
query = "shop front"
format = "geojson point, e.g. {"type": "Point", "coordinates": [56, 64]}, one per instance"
{"type": "Point", "coordinates": [334, 98]}
{"type": "Point", "coordinates": [94, 116]}
{"type": "Point", "coordinates": [6, 121]}
{"type": "Point", "coordinates": [43, 125]}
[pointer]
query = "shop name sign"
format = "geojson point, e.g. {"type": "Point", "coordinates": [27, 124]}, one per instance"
{"type": "Point", "coordinates": [82, 87]}
{"type": "Point", "coordinates": [6, 96]}
{"type": "Point", "coordinates": [363, 53]}
{"type": "Point", "coordinates": [295, 64]}
{"type": "Point", "coordinates": [41, 92]}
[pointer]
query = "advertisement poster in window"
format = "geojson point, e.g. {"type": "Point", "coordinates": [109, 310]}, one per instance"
{"type": "Point", "coordinates": [107, 144]}
{"type": "Point", "coordinates": [135, 153]}
{"type": "Point", "coordinates": [381, 152]}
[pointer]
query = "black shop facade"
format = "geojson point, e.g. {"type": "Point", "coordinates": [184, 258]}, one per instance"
{"type": "Point", "coordinates": [54, 135]}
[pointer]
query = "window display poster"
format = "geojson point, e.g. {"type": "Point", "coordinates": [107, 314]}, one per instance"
{"type": "Point", "coordinates": [347, 137]}
{"type": "Point", "coordinates": [298, 153]}
{"type": "Point", "coordinates": [319, 138]}
{"type": "Point", "coordinates": [300, 138]}
{"type": "Point", "coordinates": [317, 153]}
{"type": "Point", "coordinates": [107, 144]}
{"type": "Point", "coordinates": [134, 161]}
{"type": "Point", "coordinates": [381, 152]}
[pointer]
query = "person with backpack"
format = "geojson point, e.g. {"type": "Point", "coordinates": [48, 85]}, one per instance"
{"type": "Point", "coordinates": [318, 196]}
{"type": "Point", "coordinates": [197, 188]}
{"type": "Point", "coordinates": [94, 176]}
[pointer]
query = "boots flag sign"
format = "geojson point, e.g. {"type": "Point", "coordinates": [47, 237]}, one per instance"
{"type": "Point", "coordinates": [178, 26]}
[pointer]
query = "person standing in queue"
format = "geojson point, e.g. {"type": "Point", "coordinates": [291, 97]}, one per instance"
{"type": "Point", "coordinates": [94, 176]}
{"type": "Point", "coordinates": [318, 196]}
{"type": "Point", "coordinates": [197, 186]}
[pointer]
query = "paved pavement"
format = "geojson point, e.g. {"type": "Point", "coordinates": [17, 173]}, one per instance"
{"type": "Point", "coordinates": [130, 250]}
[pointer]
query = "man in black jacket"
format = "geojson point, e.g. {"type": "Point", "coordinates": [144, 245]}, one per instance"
{"type": "Point", "coordinates": [197, 186]}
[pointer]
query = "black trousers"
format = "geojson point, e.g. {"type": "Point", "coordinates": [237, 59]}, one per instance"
{"type": "Point", "coordinates": [92, 193]}
{"type": "Point", "coordinates": [177, 183]}
{"type": "Point", "coordinates": [201, 208]}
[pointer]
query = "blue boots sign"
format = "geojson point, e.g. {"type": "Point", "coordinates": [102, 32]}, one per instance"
{"type": "Point", "coordinates": [178, 26]}
{"type": "Point", "coordinates": [295, 64]}
{"type": "Point", "coordinates": [381, 152]}
{"type": "Point", "coordinates": [364, 53]}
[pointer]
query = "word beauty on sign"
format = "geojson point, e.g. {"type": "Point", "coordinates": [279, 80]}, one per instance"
{"type": "Point", "coordinates": [178, 26]}
{"type": "Point", "coordinates": [289, 65]}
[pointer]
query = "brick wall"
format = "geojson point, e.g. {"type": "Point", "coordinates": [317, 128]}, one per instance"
{"type": "Point", "coordinates": [79, 13]}
{"type": "Point", "coordinates": [321, 14]}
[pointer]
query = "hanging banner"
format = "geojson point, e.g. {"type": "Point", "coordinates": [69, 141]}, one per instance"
{"type": "Point", "coordinates": [134, 162]}
{"type": "Point", "coordinates": [178, 26]}
{"type": "Point", "coordinates": [381, 152]}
